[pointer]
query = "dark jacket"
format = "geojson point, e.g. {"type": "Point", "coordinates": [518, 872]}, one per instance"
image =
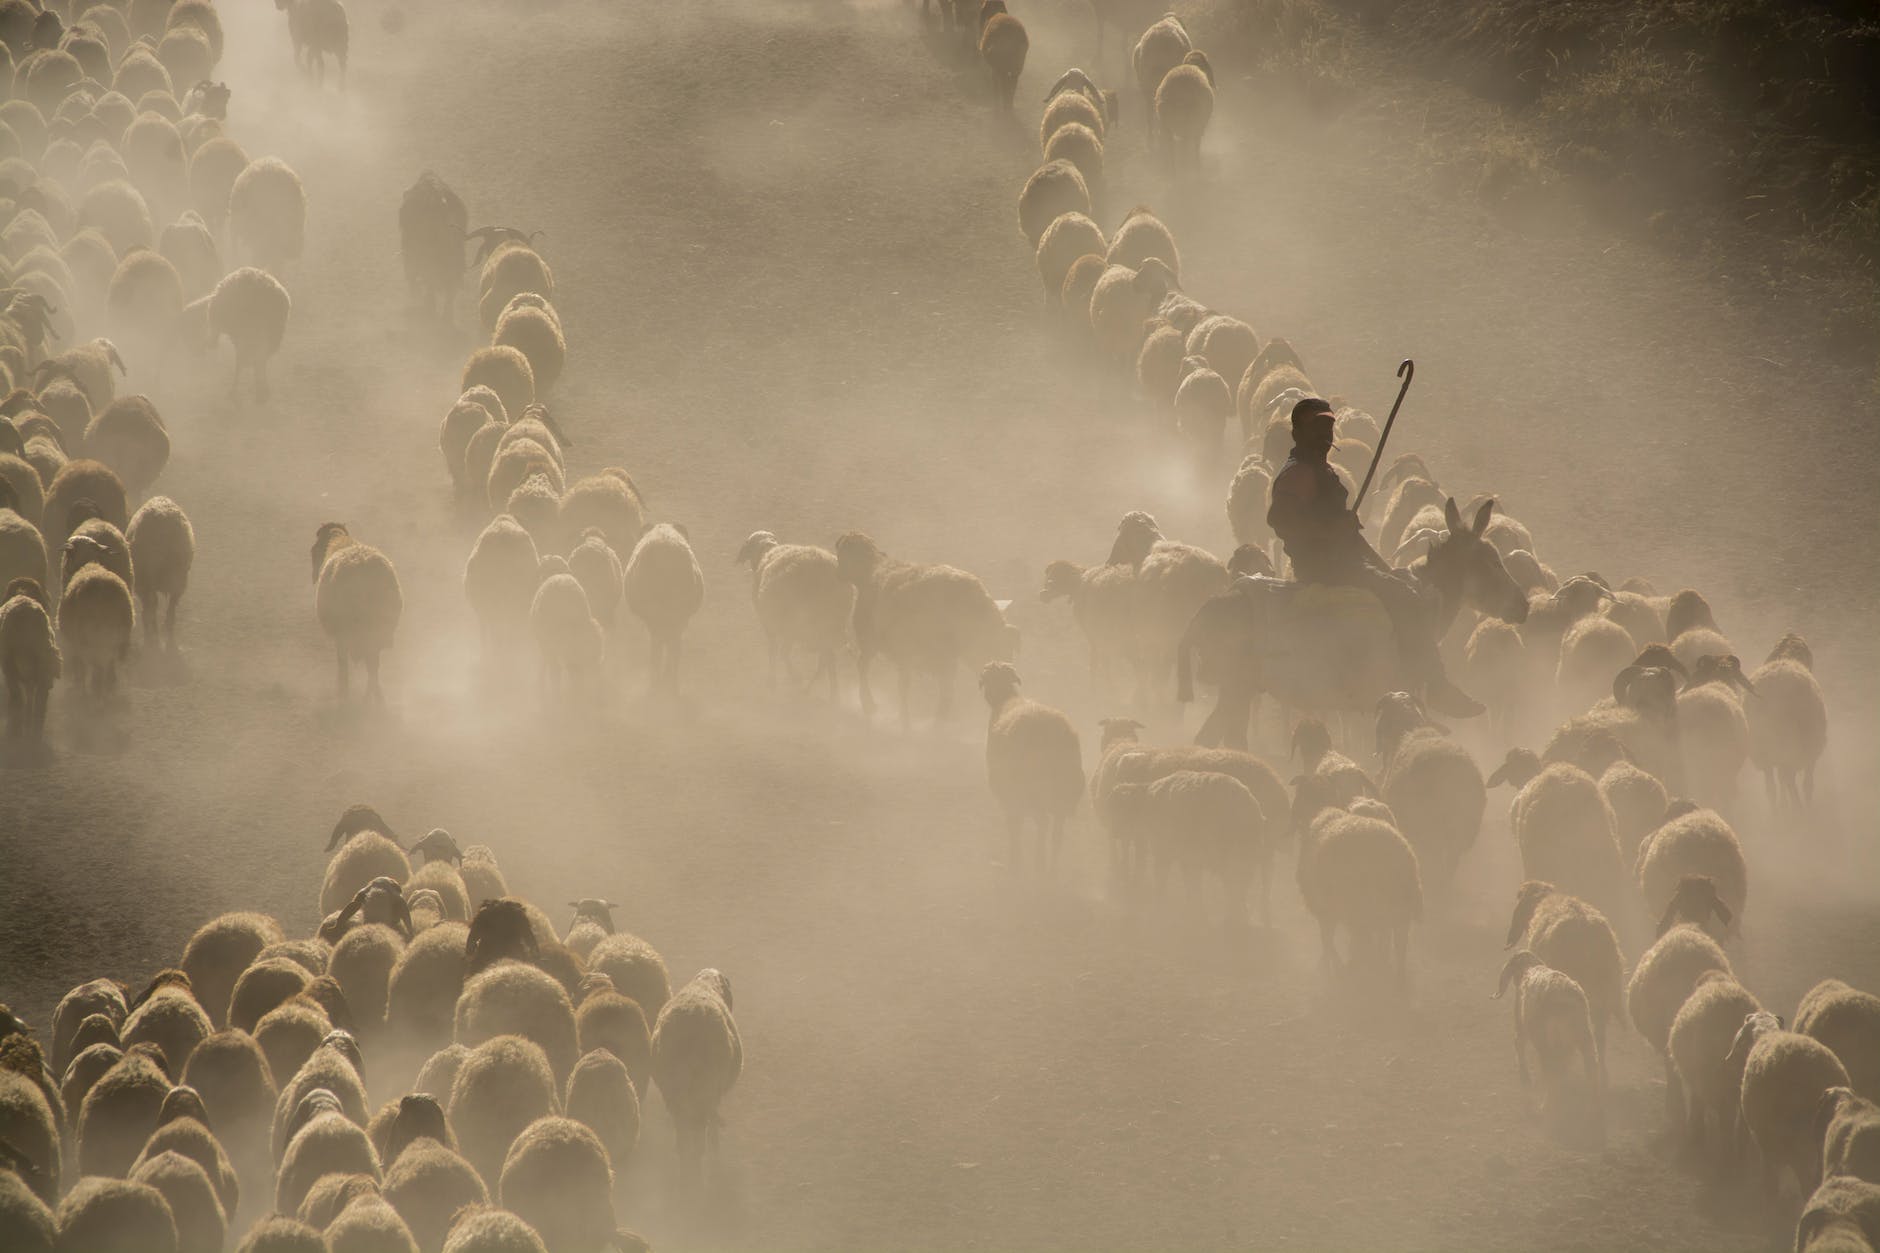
{"type": "Point", "coordinates": [1309, 515]}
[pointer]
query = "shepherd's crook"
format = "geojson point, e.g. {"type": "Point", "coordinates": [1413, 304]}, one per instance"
{"type": "Point", "coordinates": [1406, 372]}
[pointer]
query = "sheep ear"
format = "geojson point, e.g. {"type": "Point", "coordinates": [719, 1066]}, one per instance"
{"type": "Point", "coordinates": [1452, 516]}
{"type": "Point", "coordinates": [1722, 911]}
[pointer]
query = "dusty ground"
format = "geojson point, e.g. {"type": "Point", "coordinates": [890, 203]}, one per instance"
{"type": "Point", "coordinates": [797, 300]}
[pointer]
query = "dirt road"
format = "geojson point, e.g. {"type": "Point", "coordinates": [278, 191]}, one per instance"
{"type": "Point", "coordinates": [796, 298]}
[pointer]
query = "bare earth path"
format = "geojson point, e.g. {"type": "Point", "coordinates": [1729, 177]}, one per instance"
{"type": "Point", "coordinates": [797, 300]}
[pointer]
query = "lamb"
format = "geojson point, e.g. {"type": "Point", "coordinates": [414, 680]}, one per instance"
{"type": "Point", "coordinates": [1430, 782]}
{"type": "Point", "coordinates": [267, 210]}
{"type": "Point", "coordinates": [129, 436]}
{"type": "Point", "coordinates": [1847, 1020]}
{"type": "Point", "coordinates": [1785, 1075]}
{"type": "Point", "coordinates": [1160, 49]}
{"type": "Point", "coordinates": [514, 998]}
{"type": "Point", "coordinates": [95, 623]}
{"type": "Point", "coordinates": [201, 1225]}
{"type": "Point", "coordinates": [602, 1096]}
{"type": "Point", "coordinates": [923, 618]}
{"type": "Point", "coordinates": [1122, 302]}
{"type": "Point", "coordinates": [30, 659]}
{"type": "Point", "coordinates": [1357, 871]}
{"type": "Point", "coordinates": [1564, 829]}
{"type": "Point", "coordinates": [116, 1216]}
{"type": "Point", "coordinates": [503, 1086]}
{"type": "Point", "coordinates": [567, 637]}
{"type": "Point", "coordinates": [432, 223]}
{"type": "Point", "coordinates": [1693, 841]}
{"type": "Point", "coordinates": [1574, 938]}
{"type": "Point", "coordinates": [1551, 1016]}
{"type": "Point", "coordinates": [1002, 46]}
{"type": "Point", "coordinates": [1668, 971]}
{"type": "Point", "coordinates": [1054, 189]}
{"type": "Point", "coordinates": [163, 548]}
{"type": "Point", "coordinates": [1184, 101]}
{"type": "Point", "coordinates": [1069, 236]}
{"type": "Point", "coordinates": [511, 268]}
{"type": "Point", "coordinates": [697, 1057]}
{"type": "Point", "coordinates": [1103, 600]}
{"type": "Point", "coordinates": [1843, 1216]}
{"type": "Point", "coordinates": [1788, 723]}
{"type": "Point", "coordinates": [1034, 763]}
{"type": "Point", "coordinates": [358, 601]}
{"type": "Point", "coordinates": [802, 602]}
{"type": "Point", "coordinates": [500, 580]}
{"type": "Point", "coordinates": [427, 1182]}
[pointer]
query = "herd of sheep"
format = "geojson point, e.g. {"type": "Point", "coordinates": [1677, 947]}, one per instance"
{"type": "Point", "coordinates": [511, 1061]}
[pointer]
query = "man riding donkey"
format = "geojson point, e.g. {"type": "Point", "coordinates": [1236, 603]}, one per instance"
{"type": "Point", "coordinates": [1322, 539]}
{"type": "Point", "coordinates": [1349, 629]}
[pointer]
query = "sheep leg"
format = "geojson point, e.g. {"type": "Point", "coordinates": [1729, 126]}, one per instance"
{"type": "Point", "coordinates": [340, 651]}
{"type": "Point", "coordinates": [373, 691]}
{"type": "Point", "coordinates": [1674, 1093]}
{"type": "Point", "coordinates": [1057, 839]}
{"type": "Point", "coordinates": [1808, 784]}
{"type": "Point", "coordinates": [944, 713]}
{"type": "Point", "coordinates": [261, 379]}
{"type": "Point", "coordinates": [1328, 947]}
{"type": "Point", "coordinates": [149, 599]}
{"type": "Point", "coordinates": [828, 667]}
{"type": "Point", "coordinates": [861, 677]}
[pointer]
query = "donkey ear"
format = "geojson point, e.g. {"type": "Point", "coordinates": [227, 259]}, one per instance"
{"type": "Point", "coordinates": [1481, 517]}
{"type": "Point", "coordinates": [1452, 516]}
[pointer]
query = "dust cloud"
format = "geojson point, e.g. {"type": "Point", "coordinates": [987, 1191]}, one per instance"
{"type": "Point", "coordinates": [796, 299]}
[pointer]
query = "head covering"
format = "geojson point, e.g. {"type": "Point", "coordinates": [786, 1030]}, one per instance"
{"type": "Point", "coordinates": [1304, 413]}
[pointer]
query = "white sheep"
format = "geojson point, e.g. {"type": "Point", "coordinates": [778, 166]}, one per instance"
{"type": "Point", "coordinates": [267, 208]}
{"type": "Point", "coordinates": [421, 995]}
{"type": "Point", "coordinates": [1034, 763]}
{"type": "Point", "coordinates": [601, 1095]}
{"type": "Point", "coordinates": [30, 660]}
{"type": "Point", "coordinates": [1668, 971]}
{"type": "Point", "coordinates": [514, 998]}
{"type": "Point", "coordinates": [358, 602]}
{"type": "Point", "coordinates": [249, 307]}
{"type": "Point", "coordinates": [511, 268]}
{"type": "Point", "coordinates": [530, 325]}
{"type": "Point", "coordinates": [330, 1143]}
{"type": "Point", "coordinates": [1575, 938]}
{"type": "Point", "coordinates": [501, 1087]}
{"type": "Point", "coordinates": [567, 638]}
{"type": "Point", "coordinates": [1785, 1075]}
{"type": "Point", "coordinates": [1184, 102]}
{"type": "Point", "coordinates": [1159, 50]}
{"type": "Point", "coordinates": [1141, 236]}
{"type": "Point", "coordinates": [1103, 600]}
{"type": "Point", "coordinates": [1788, 722]}
{"type": "Point", "coordinates": [1551, 1017]}
{"type": "Point", "coordinates": [1431, 783]}
{"type": "Point", "coordinates": [163, 548]}
{"type": "Point", "coordinates": [1699, 1046]}
{"type": "Point", "coordinates": [1074, 98]}
{"type": "Point", "coordinates": [1054, 189]}
{"type": "Point", "coordinates": [1564, 829]}
{"type": "Point", "coordinates": [924, 618]}
{"type": "Point", "coordinates": [1083, 148]}
{"type": "Point", "coordinates": [1069, 236]}
{"type": "Point", "coordinates": [1356, 871]}
{"type": "Point", "coordinates": [1638, 801]}
{"type": "Point", "coordinates": [557, 1179]}
{"type": "Point", "coordinates": [102, 1215]}
{"type": "Point", "coordinates": [500, 580]}
{"type": "Point", "coordinates": [697, 1057]}
{"type": "Point", "coordinates": [608, 501]}
{"type": "Point", "coordinates": [802, 602]}
{"type": "Point", "coordinates": [1847, 1020]}
{"type": "Point", "coordinates": [96, 618]}
{"type": "Point", "coordinates": [1693, 841]}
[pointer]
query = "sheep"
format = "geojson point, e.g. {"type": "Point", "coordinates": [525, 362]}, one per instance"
{"type": "Point", "coordinates": [514, 998]}
{"type": "Point", "coordinates": [1069, 235]}
{"type": "Point", "coordinates": [1642, 717]}
{"type": "Point", "coordinates": [1160, 49]}
{"type": "Point", "coordinates": [601, 1094]}
{"type": "Point", "coordinates": [95, 624]}
{"type": "Point", "coordinates": [334, 1068]}
{"type": "Point", "coordinates": [1054, 189]}
{"type": "Point", "coordinates": [119, 1113]}
{"type": "Point", "coordinates": [557, 1179]}
{"type": "Point", "coordinates": [1564, 829]}
{"type": "Point", "coordinates": [23, 494]}
{"type": "Point", "coordinates": [802, 602]}
{"type": "Point", "coordinates": [1103, 600]}
{"type": "Point", "coordinates": [91, 367]}
{"type": "Point", "coordinates": [214, 168]}
{"type": "Point", "coordinates": [329, 1143]}
{"type": "Point", "coordinates": [1074, 98]}
{"type": "Point", "coordinates": [236, 1084]}
{"type": "Point", "coordinates": [1184, 101]}
{"type": "Point", "coordinates": [534, 330]}
{"type": "Point", "coordinates": [1551, 1016]}
{"type": "Point", "coordinates": [567, 637]}
{"type": "Point", "coordinates": [1002, 46]}
{"type": "Point", "coordinates": [1849, 1126]}
{"type": "Point", "coordinates": [593, 922]}
{"type": "Point", "coordinates": [99, 996]}
{"type": "Point", "coordinates": [608, 501]}
{"type": "Point", "coordinates": [438, 876]}
{"type": "Point", "coordinates": [503, 1086]}
{"type": "Point", "coordinates": [145, 299]}
{"type": "Point", "coordinates": [1202, 405]}
{"type": "Point", "coordinates": [30, 659]}
{"type": "Point", "coordinates": [163, 548]}
{"type": "Point", "coordinates": [1083, 148]}
{"type": "Point", "coordinates": [30, 1127]}
{"type": "Point", "coordinates": [1430, 782]}
{"type": "Point", "coordinates": [1785, 1075]}
{"type": "Point", "coordinates": [511, 268]}
{"type": "Point", "coordinates": [697, 1057]}
{"type": "Point", "coordinates": [331, 1194]}
{"type": "Point", "coordinates": [426, 980]}
{"type": "Point", "coordinates": [1330, 776]}
{"type": "Point", "coordinates": [95, 540]}
{"type": "Point", "coordinates": [1228, 345]}
{"type": "Point", "coordinates": [368, 1223]}
{"type": "Point", "coordinates": [101, 1215]}
{"type": "Point", "coordinates": [201, 1224]}
{"type": "Point", "coordinates": [362, 962]}
{"type": "Point", "coordinates": [358, 602]}
{"type": "Point", "coordinates": [432, 223]}
{"type": "Point", "coordinates": [1788, 724]}
{"type": "Point", "coordinates": [1638, 803]}
{"type": "Point", "coordinates": [267, 211]}
{"type": "Point", "coordinates": [1592, 650]}
{"type": "Point", "coordinates": [1842, 1216]}
{"type": "Point", "coordinates": [1713, 727]}
{"type": "Point", "coordinates": [427, 1183]}
{"type": "Point", "coordinates": [277, 1233]}
{"type": "Point", "coordinates": [168, 1015]}
{"type": "Point", "coordinates": [1160, 362]}
{"type": "Point", "coordinates": [1666, 973]}
{"type": "Point", "coordinates": [1357, 871]}
{"type": "Point", "coordinates": [1034, 763]}
{"type": "Point", "coordinates": [608, 1020]}
{"type": "Point", "coordinates": [249, 307]}
{"type": "Point", "coordinates": [1699, 1045]}
{"type": "Point", "coordinates": [465, 418]}
{"type": "Point", "coordinates": [1574, 938]}
{"type": "Point", "coordinates": [504, 370]}
{"type": "Point", "coordinates": [486, 1229]}
{"type": "Point", "coordinates": [500, 579]}
{"type": "Point", "coordinates": [1080, 286]}
{"type": "Point", "coordinates": [1173, 579]}
{"type": "Point", "coordinates": [1202, 820]}
{"type": "Point", "coordinates": [1693, 841]}
{"type": "Point", "coordinates": [190, 1136]}
{"type": "Point", "coordinates": [921, 617]}
{"type": "Point", "coordinates": [120, 214]}
{"type": "Point", "coordinates": [26, 1222]}
{"type": "Point", "coordinates": [1121, 303]}
{"type": "Point", "coordinates": [1847, 1020]}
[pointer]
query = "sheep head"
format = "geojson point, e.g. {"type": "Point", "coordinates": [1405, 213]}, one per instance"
{"type": "Point", "coordinates": [998, 681]}
{"type": "Point", "coordinates": [1660, 655]}
{"type": "Point", "coordinates": [1136, 534]}
{"type": "Point", "coordinates": [595, 910]}
{"type": "Point", "coordinates": [418, 1115]}
{"type": "Point", "coordinates": [500, 930]}
{"type": "Point", "coordinates": [1793, 647]}
{"type": "Point", "coordinates": [183, 1101]}
{"type": "Point", "coordinates": [1518, 964]}
{"type": "Point", "coordinates": [752, 551]}
{"type": "Point", "coordinates": [1688, 611]}
{"type": "Point", "coordinates": [1694, 900]}
{"type": "Point", "coordinates": [1727, 670]}
{"type": "Point", "coordinates": [1310, 741]}
{"type": "Point", "coordinates": [1398, 714]}
{"type": "Point", "coordinates": [358, 819]}
{"type": "Point", "coordinates": [1063, 580]}
{"type": "Point", "coordinates": [325, 992]}
{"type": "Point", "coordinates": [1199, 59]}
{"type": "Point", "coordinates": [329, 539]}
{"type": "Point", "coordinates": [311, 1106]}
{"type": "Point", "coordinates": [1373, 808]}
{"type": "Point", "coordinates": [438, 845]}
{"type": "Point", "coordinates": [717, 981]}
{"type": "Point", "coordinates": [1755, 1027]}
{"type": "Point", "coordinates": [1249, 560]}
{"type": "Point", "coordinates": [1527, 899]}
{"type": "Point", "coordinates": [1648, 689]}
{"type": "Point", "coordinates": [1832, 1102]}
{"type": "Point", "coordinates": [1155, 279]}
{"type": "Point", "coordinates": [343, 1042]}
{"type": "Point", "coordinates": [1520, 766]}
{"type": "Point", "coordinates": [856, 557]}
{"type": "Point", "coordinates": [1073, 79]}
{"type": "Point", "coordinates": [1118, 730]}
